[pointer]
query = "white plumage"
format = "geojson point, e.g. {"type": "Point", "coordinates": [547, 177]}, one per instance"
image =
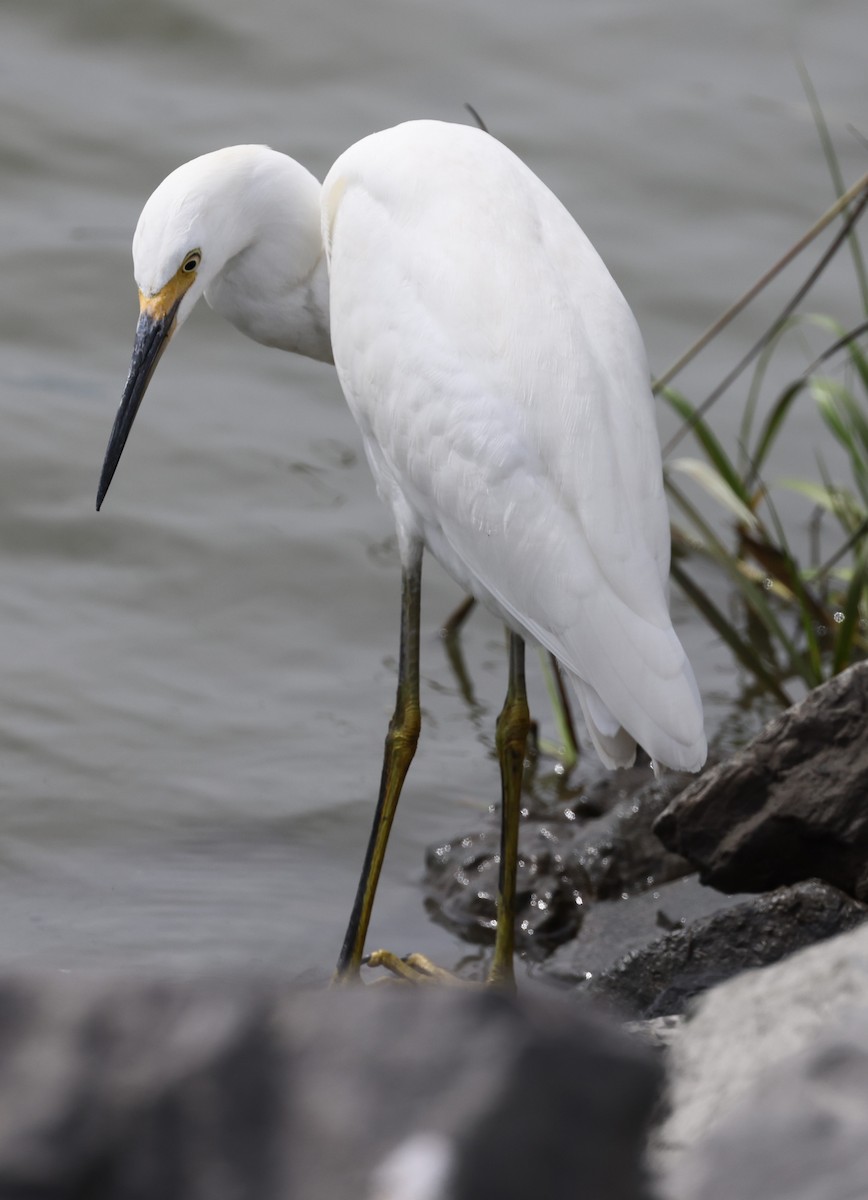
{"type": "Point", "coordinates": [500, 384]}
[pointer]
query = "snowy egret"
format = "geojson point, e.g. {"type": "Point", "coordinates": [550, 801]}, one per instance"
{"type": "Point", "coordinates": [501, 387]}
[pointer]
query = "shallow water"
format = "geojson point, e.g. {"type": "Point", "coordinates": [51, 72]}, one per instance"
{"type": "Point", "coordinates": [196, 683]}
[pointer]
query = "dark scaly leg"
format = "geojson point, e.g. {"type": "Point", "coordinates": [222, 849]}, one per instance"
{"type": "Point", "coordinates": [451, 635]}
{"type": "Point", "coordinates": [512, 729]}
{"type": "Point", "coordinates": [400, 747]}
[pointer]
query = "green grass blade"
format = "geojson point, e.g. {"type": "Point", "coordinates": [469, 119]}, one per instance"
{"type": "Point", "coordinates": [835, 172]}
{"type": "Point", "coordinates": [843, 415]}
{"type": "Point", "coordinates": [752, 593]}
{"type": "Point", "coordinates": [859, 361]}
{"type": "Point", "coordinates": [848, 628]}
{"type": "Point", "coordinates": [727, 631]}
{"type": "Point", "coordinates": [837, 500]}
{"type": "Point", "coordinates": [712, 447]}
{"type": "Point", "coordinates": [763, 362]}
{"type": "Point", "coordinates": [772, 426]}
{"type": "Point", "coordinates": [710, 481]}
{"type": "Point", "coordinates": [808, 606]}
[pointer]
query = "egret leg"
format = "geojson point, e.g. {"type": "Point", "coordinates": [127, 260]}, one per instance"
{"type": "Point", "coordinates": [400, 747]}
{"type": "Point", "coordinates": [511, 738]}
{"type": "Point", "coordinates": [451, 634]}
{"type": "Point", "coordinates": [562, 712]}
{"type": "Point", "coordinates": [453, 623]}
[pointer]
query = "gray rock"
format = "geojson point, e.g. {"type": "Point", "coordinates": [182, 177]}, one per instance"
{"type": "Point", "coordinates": [614, 929]}
{"type": "Point", "coordinates": [792, 805]}
{"type": "Point", "coordinates": [665, 975]}
{"type": "Point", "coordinates": [768, 1092]}
{"type": "Point", "coordinates": [227, 1091]}
{"type": "Point", "coordinates": [799, 1135]}
{"type": "Point", "coordinates": [127, 1092]}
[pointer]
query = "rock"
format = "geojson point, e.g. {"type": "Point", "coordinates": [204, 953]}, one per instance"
{"type": "Point", "coordinates": [568, 858]}
{"type": "Point", "coordinates": [663, 976]}
{"type": "Point", "coordinates": [461, 879]}
{"type": "Point", "coordinates": [235, 1091]}
{"type": "Point", "coordinates": [799, 1135]}
{"type": "Point", "coordinates": [109, 1091]}
{"type": "Point", "coordinates": [791, 806]}
{"type": "Point", "coordinates": [659, 1032]}
{"type": "Point", "coordinates": [614, 929]}
{"type": "Point", "coordinates": [768, 1092]}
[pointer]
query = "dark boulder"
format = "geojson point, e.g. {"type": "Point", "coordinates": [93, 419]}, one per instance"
{"type": "Point", "coordinates": [615, 928]}
{"type": "Point", "coordinates": [663, 976]}
{"type": "Point", "coordinates": [792, 805]}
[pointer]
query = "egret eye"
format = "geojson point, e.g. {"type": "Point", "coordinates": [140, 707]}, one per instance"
{"type": "Point", "coordinates": [191, 262]}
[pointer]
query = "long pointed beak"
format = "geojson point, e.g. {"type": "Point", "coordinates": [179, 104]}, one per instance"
{"type": "Point", "coordinates": [152, 336]}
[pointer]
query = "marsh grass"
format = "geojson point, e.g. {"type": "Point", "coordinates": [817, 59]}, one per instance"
{"type": "Point", "coordinates": [796, 616]}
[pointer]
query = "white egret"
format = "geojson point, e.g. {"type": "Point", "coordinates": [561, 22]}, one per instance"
{"type": "Point", "coordinates": [501, 387]}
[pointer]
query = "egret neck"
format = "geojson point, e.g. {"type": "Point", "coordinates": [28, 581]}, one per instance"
{"type": "Point", "coordinates": [241, 227]}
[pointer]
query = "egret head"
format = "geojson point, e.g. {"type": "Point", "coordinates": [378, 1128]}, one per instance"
{"type": "Point", "coordinates": [190, 228]}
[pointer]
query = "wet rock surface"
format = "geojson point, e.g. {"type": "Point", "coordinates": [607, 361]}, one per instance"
{"type": "Point", "coordinates": [606, 908]}
{"type": "Point", "coordinates": [663, 976]}
{"type": "Point", "coordinates": [620, 929]}
{"type": "Point", "coordinates": [792, 805]}
{"type": "Point", "coordinates": [231, 1090]}
{"type": "Point", "coordinates": [598, 846]}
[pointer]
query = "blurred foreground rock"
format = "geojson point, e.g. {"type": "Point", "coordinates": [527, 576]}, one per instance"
{"type": "Point", "coordinates": [791, 806]}
{"type": "Point", "coordinates": [229, 1091]}
{"type": "Point", "coordinates": [769, 1084]}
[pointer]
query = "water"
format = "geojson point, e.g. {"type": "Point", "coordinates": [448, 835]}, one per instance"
{"type": "Point", "coordinates": [196, 683]}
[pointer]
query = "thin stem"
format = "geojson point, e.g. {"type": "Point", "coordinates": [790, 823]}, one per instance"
{"type": "Point", "coordinates": [853, 215]}
{"type": "Point", "coordinates": [732, 312]}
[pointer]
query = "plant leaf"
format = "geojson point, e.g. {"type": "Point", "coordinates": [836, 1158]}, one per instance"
{"type": "Point", "coordinates": [716, 487]}
{"type": "Point", "coordinates": [712, 447]}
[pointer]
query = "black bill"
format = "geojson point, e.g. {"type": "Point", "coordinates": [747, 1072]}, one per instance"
{"type": "Point", "coordinates": [152, 337]}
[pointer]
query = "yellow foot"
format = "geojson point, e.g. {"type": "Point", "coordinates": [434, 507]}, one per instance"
{"type": "Point", "coordinates": [414, 968]}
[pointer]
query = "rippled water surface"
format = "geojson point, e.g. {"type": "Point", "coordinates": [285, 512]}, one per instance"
{"type": "Point", "coordinates": [195, 684]}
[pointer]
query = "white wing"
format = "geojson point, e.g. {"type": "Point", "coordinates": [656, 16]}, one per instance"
{"type": "Point", "coordinates": [502, 389]}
